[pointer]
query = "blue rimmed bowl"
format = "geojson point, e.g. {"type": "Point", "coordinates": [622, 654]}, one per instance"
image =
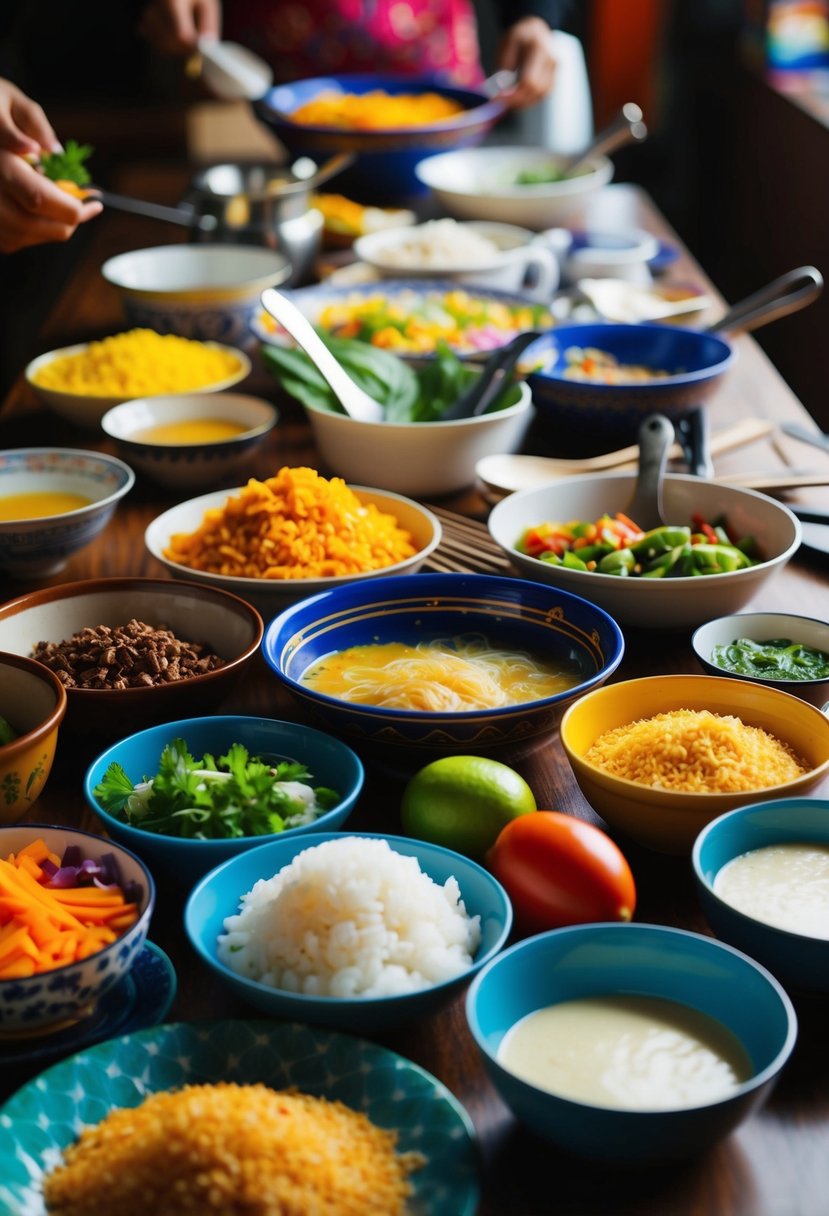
{"type": "Point", "coordinates": [218, 896]}
{"type": "Point", "coordinates": [601, 960]}
{"type": "Point", "coordinates": [330, 763]}
{"type": "Point", "coordinates": [385, 157]}
{"type": "Point", "coordinates": [799, 961]}
{"type": "Point", "coordinates": [509, 612]}
{"type": "Point", "coordinates": [51, 1000]}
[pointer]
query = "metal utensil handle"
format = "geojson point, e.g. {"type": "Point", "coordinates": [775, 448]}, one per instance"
{"type": "Point", "coordinates": [775, 300]}
{"type": "Point", "coordinates": [627, 127]}
{"type": "Point", "coordinates": [656, 434]}
{"type": "Point", "coordinates": [155, 211]}
{"type": "Point", "coordinates": [473, 402]}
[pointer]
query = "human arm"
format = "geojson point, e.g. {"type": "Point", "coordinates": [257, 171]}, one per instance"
{"type": "Point", "coordinates": [527, 48]}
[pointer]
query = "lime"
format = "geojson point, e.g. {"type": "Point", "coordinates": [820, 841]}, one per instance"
{"type": "Point", "coordinates": [462, 802]}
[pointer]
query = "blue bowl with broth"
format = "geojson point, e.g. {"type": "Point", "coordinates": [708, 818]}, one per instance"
{"type": "Point", "coordinates": [684, 365]}
{"type": "Point", "coordinates": [219, 893]}
{"type": "Point", "coordinates": [739, 1017]}
{"type": "Point", "coordinates": [385, 157]}
{"type": "Point", "coordinates": [768, 910]}
{"type": "Point", "coordinates": [500, 615]}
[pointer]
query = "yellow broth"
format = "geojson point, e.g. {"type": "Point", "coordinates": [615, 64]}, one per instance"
{"type": "Point", "coordinates": [191, 431]}
{"type": "Point", "coordinates": [38, 503]}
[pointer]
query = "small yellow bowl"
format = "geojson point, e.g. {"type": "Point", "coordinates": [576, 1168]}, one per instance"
{"type": "Point", "coordinates": [33, 702]}
{"type": "Point", "coordinates": [666, 820]}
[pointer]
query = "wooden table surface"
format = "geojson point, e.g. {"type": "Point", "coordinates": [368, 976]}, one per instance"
{"type": "Point", "coordinates": [777, 1163]}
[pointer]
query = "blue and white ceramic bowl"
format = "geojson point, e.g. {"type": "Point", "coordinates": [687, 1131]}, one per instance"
{"type": "Point", "coordinates": [41, 545]}
{"type": "Point", "coordinates": [799, 961]}
{"type": "Point", "coordinates": [384, 168]}
{"type": "Point", "coordinates": [218, 896]}
{"type": "Point", "coordinates": [53, 999]}
{"type": "Point", "coordinates": [604, 959]}
{"type": "Point", "coordinates": [206, 292]}
{"type": "Point", "coordinates": [509, 612]}
{"type": "Point", "coordinates": [329, 761]}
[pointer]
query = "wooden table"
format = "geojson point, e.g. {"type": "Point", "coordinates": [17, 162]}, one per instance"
{"type": "Point", "coordinates": [777, 1163]}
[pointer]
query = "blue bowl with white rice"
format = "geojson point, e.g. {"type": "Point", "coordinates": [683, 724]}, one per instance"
{"type": "Point", "coordinates": [358, 931]}
{"type": "Point", "coordinates": [330, 763]}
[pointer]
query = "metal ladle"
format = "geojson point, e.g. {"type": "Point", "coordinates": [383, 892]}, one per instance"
{"type": "Point", "coordinates": [627, 127]}
{"type": "Point", "coordinates": [351, 397]}
{"type": "Point", "coordinates": [655, 435]}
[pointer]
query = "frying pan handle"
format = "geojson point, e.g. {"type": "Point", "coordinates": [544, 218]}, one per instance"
{"type": "Point", "coordinates": [776, 299]}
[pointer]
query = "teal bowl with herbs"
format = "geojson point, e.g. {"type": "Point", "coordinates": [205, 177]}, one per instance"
{"type": "Point", "coordinates": [220, 785]}
{"type": "Point", "coordinates": [779, 649]}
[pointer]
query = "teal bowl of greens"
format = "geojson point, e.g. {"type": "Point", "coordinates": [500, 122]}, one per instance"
{"type": "Point", "coordinates": [413, 451]}
{"type": "Point", "coordinates": [219, 786]}
{"type": "Point", "coordinates": [780, 649]}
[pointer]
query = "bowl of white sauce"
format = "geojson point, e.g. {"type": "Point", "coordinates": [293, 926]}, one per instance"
{"type": "Point", "coordinates": [762, 876]}
{"type": "Point", "coordinates": [630, 1043]}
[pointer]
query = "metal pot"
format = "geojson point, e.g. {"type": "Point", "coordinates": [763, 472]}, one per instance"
{"type": "Point", "coordinates": [265, 204]}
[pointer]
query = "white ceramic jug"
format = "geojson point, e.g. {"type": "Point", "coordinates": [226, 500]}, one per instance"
{"type": "Point", "coordinates": [563, 121]}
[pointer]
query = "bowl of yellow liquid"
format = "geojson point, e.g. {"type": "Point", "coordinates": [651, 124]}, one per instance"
{"type": "Point", "coordinates": [54, 501]}
{"type": "Point", "coordinates": [192, 441]}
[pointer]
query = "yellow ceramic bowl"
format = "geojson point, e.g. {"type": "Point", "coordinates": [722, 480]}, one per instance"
{"type": "Point", "coordinates": [663, 819]}
{"type": "Point", "coordinates": [33, 702]}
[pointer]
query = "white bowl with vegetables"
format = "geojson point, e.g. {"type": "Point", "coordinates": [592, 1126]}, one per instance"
{"type": "Point", "coordinates": [188, 795]}
{"type": "Point", "coordinates": [780, 649]}
{"type": "Point", "coordinates": [649, 580]}
{"type": "Point", "coordinates": [412, 451]}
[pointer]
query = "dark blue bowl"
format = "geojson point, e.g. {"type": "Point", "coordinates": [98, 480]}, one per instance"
{"type": "Point", "coordinates": [798, 961]}
{"type": "Point", "coordinates": [383, 171]}
{"type": "Point", "coordinates": [515, 613]}
{"type": "Point", "coordinates": [605, 959]}
{"type": "Point", "coordinates": [598, 417]}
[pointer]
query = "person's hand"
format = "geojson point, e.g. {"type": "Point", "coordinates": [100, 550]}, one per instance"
{"type": "Point", "coordinates": [527, 48]}
{"type": "Point", "coordinates": [33, 210]}
{"type": "Point", "coordinates": [174, 27]}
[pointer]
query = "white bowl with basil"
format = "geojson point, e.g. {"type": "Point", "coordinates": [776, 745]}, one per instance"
{"type": "Point", "coordinates": [780, 649]}
{"type": "Point", "coordinates": [412, 451]}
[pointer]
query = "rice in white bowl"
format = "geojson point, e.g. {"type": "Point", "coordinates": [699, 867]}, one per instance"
{"type": "Point", "coordinates": [350, 918]}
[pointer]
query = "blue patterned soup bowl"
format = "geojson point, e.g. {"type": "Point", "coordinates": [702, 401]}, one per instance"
{"type": "Point", "coordinates": [461, 619]}
{"type": "Point", "coordinates": [49, 1000]}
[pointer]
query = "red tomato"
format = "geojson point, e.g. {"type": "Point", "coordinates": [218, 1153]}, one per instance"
{"type": "Point", "coordinates": [558, 870]}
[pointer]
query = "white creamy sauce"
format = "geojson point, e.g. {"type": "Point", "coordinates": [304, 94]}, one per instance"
{"type": "Point", "coordinates": [626, 1052]}
{"type": "Point", "coordinates": [785, 885]}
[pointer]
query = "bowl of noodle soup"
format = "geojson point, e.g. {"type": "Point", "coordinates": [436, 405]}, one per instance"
{"type": "Point", "coordinates": [414, 667]}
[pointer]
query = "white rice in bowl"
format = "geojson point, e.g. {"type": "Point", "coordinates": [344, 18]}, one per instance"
{"type": "Point", "coordinates": [350, 918]}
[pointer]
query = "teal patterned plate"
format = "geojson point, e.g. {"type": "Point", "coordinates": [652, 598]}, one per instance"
{"type": "Point", "coordinates": [48, 1113]}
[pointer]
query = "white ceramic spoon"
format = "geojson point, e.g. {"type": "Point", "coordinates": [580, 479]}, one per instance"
{"type": "Point", "coordinates": [233, 72]}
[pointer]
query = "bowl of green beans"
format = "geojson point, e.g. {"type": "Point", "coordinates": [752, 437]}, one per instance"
{"type": "Point", "coordinates": [780, 649]}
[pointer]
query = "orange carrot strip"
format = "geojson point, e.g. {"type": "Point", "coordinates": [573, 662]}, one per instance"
{"type": "Point", "coordinates": [87, 895]}
{"type": "Point", "coordinates": [21, 969]}
{"type": "Point", "coordinates": [36, 850]}
{"type": "Point", "coordinates": [24, 862]}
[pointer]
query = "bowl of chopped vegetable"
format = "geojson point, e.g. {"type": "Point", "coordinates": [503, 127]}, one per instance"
{"type": "Point", "coordinates": [389, 122]}
{"type": "Point", "coordinates": [780, 649]}
{"type": "Point", "coordinates": [412, 451]}
{"type": "Point", "coordinates": [32, 706]}
{"type": "Point", "coordinates": [414, 318]}
{"type": "Point", "coordinates": [660, 757]}
{"type": "Point", "coordinates": [188, 795]}
{"type": "Point", "coordinates": [80, 909]}
{"type": "Point", "coordinates": [132, 652]}
{"type": "Point", "coordinates": [511, 185]}
{"type": "Point", "coordinates": [575, 533]}
{"type": "Point", "coordinates": [82, 382]}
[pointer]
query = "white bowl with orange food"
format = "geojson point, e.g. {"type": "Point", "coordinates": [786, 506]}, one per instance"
{"type": "Point", "coordinates": [272, 542]}
{"type": "Point", "coordinates": [75, 937]}
{"type": "Point", "coordinates": [82, 382]}
{"type": "Point", "coordinates": [192, 440]}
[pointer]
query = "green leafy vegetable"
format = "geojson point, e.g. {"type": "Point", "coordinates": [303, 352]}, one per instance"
{"type": "Point", "coordinates": [407, 394]}
{"type": "Point", "coordinates": [206, 799]}
{"type": "Point", "coordinates": [68, 165]}
{"type": "Point", "coordinates": [7, 732]}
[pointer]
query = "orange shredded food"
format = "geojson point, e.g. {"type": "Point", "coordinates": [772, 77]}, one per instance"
{"type": "Point", "coordinates": [234, 1150]}
{"type": "Point", "coordinates": [375, 110]}
{"type": "Point", "coordinates": [44, 927]}
{"type": "Point", "coordinates": [695, 751]}
{"type": "Point", "coordinates": [296, 524]}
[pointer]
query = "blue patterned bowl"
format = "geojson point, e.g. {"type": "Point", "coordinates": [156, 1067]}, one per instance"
{"type": "Point", "coordinates": [601, 960]}
{"type": "Point", "coordinates": [41, 545]}
{"type": "Point", "coordinates": [54, 999]}
{"type": "Point", "coordinates": [218, 896]}
{"type": "Point", "coordinates": [330, 762]}
{"type": "Point", "coordinates": [47, 1115]}
{"type": "Point", "coordinates": [384, 169]}
{"type": "Point", "coordinates": [509, 612]}
{"type": "Point", "coordinates": [592, 417]}
{"type": "Point", "coordinates": [798, 961]}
